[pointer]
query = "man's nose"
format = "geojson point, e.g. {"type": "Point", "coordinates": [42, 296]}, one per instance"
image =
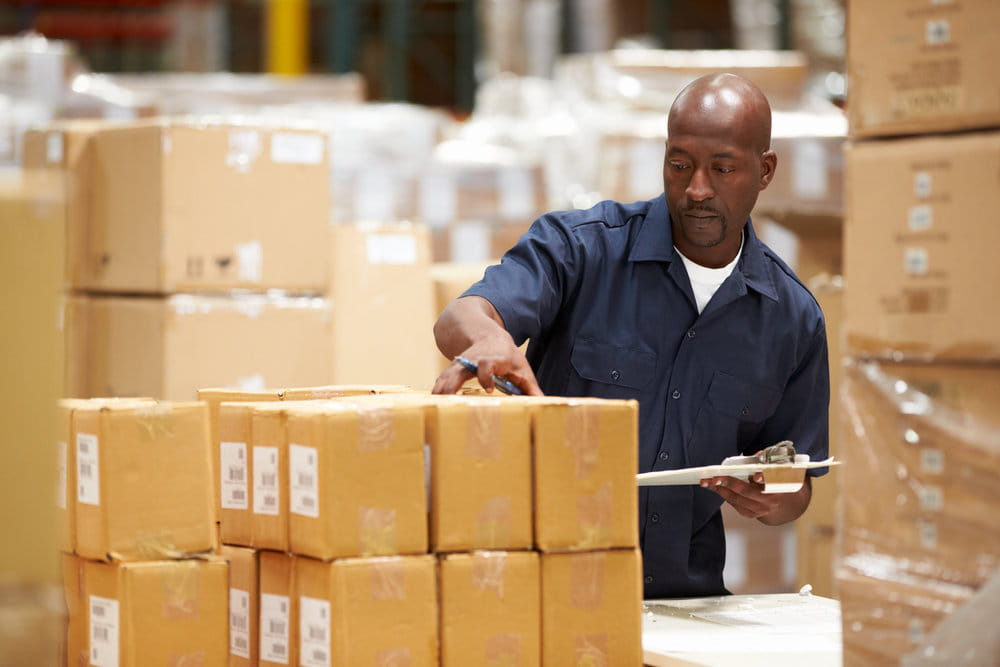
{"type": "Point", "coordinates": [699, 187]}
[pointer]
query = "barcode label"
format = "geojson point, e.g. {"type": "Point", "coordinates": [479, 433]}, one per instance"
{"type": "Point", "coordinates": [273, 626]}
{"type": "Point", "coordinates": [103, 632]}
{"type": "Point", "coordinates": [314, 632]}
{"type": "Point", "coordinates": [233, 468]}
{"type": "Point", "coordinates": [62, 482]}
{"type": "Point", "coordinates": [239, 623]}
{"type": "Point", "coordinates": [88, 474]}
{"type": "Point", "coordinates": [265, 480]}
{"type": "Point", "coordinates": [304, 491]}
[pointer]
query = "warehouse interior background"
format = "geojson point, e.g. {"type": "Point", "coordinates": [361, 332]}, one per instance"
{"type": "Point", "coordinates": [248, 195]}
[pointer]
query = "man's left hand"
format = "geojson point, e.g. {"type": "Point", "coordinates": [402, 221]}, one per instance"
{"type": "Point", "coordinates": [748, 498]}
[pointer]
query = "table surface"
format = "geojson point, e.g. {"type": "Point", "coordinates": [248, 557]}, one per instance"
{"type": "Point", "coordinates": [744, 630]}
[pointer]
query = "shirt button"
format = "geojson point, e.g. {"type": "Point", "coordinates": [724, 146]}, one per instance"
{"type": "Point", "coordinates": [745, 411]}
{"type": "Point", "coordinates": [664, 456]}
{"type": "Point", "coordinates": [691, 333]}
{"type": "Point", "coordinates": [616, 375]}
{"type": "Point", "coordinates": [654, 517]}
{"type": "Point", "coordinates": [676, 394]}
{"type": "Point", "coordinates": [649, 578]}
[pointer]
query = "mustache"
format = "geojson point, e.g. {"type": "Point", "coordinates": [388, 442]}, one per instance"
{"type": "Point", "coordinates": [701, 209]}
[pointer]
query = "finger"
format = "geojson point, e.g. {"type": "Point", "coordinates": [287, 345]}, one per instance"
{"type": "Point", "coordinates": [451, 379]}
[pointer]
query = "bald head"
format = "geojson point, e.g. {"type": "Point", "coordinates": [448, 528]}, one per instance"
{"type": "Point", "coordinates": [725, 100]}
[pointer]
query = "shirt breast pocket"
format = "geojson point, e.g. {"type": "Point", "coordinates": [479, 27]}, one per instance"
{"type": "Point", "coordinates": [613, 366]}
{"type": "Point", "coordinates": [730, 419]}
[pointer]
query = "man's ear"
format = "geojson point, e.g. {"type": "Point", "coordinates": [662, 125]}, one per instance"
{"type": "Point", "coordinates": [768, 163]}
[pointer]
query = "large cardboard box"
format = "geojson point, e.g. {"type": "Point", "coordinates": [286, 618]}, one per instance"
{"type": "Point", "coordinates": [921, 66]}
{"type": "Point", "coordinates": [181, 206]}
{"type": "Point", "coordinates": [381, 289]}
{"type": "Point", "coordinates": [268, 470]}
{"type": "Point", "coordinates": [157, 612]}
{"type": "Point", "coordinates": [917, 286]}
{"type": "Point", "coordinates": [585, 457]}
{"type": "Point", "coordinates": [490, 608]}
{"type": "Point", "coordinates": [480, 460]}
{"type": "Point", "coordinates": [244, 601]}
{"type": "Point", "coordinates": [143, 481]}
{"type": "Point", "coordinates": [279, 610]}
{"type": "Point", "coordinates": [76, 610]}
{"type": "Point", "coordinates": [591, 608]}
{"type": "Point", "coordinates": [169, 347]}
{"type": "Point", "coordinates": [367, 611]}
{"type": "Point", "coordinates": [234, 488]}
{"type": "Point", "coordinates": [356, 479]}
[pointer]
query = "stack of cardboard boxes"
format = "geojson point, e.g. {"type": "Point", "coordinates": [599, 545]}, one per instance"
{"type": "Point", "coordinates": [410, 527]}
{"type": "Point", "coordinates": [919, 537]}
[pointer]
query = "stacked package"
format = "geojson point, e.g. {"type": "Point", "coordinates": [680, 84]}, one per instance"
{"type": "Point", "coordinates": [918, 541]}
{"type": "Point", "coordinates": [410, 528]}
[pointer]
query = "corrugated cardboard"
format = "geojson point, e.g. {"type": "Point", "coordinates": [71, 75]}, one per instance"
{"type": "Point", "coordinates": [279, 610]}
{"type": "Point", "coordinates": [918, 283]}
{"type": "Point", "coordinates": [585, 458]}
{"type": "Point", "coordinates": [920, 66]}
{"type": "Point", "coordinates": [268, 467]}
{"type": "Point", "coordinates": [31, 339]}
{"type": "Point", "coordinates": [368, 611]}
{"type": "Point", "coordinates": [157, 612]}
{"type": "Point", "coordinates": [480, 457]}
{"type": "Point", "coordinates": [356, 479]}
{"type": "Point", "coordinates": [76, 610]}
{"type": "Point", "coordinates": [244, 601]}
{"type": "Point", "coordinates": [185, 206]}
{"type": "Point", "coordinates": [490, 608]}
{"type": "Point", "coordinates": [380, 278]}
{"type": "Point", "coordinates": [170, 347]}
{"type": "Point", "coordinates": [591, 608]}
{"type": "Point", "coordinates": [812, 246]}
{"type": "Point", "coordinates": [234, 483]}
{"type": "Point", "coordinates": [143, 486]}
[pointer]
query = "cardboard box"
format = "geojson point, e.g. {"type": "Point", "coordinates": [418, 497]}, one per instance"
{"type": "Point", "coordinates": [380, 278]}
{"type": "Point", "coordinates": [244, 601]}
{"type": "Point", "coordinates": [815, 554]}
{"type": "Point", "coordinates": [917, 286]}
{"type": "Point", "coordinates": [268, 468]}
{"type": "Point", "coordinates": [813, 246]}
{"type": "Point", "coordinates": [480, 460]}
{"type": "Point", "coordinates": [157, 612]}
{"type": "Point", "coordinates": [585, 458]}
{"type": "Point", "coordinates": [76, 610]}
{"type": "Point", "coordinates": [143, 486]}
{"type": "Point", "coordinates": [451, 279]}
{"type": "Point", "coordinates": [183, 206]}
{"type": "Point", "coordinates": [356, 479]}
{"type": "Point", "coordinates": [375, 611]}
{"type": "Point", "coordinates": [490, 608]}
{"type": "Point", "coordinates": [759, 558]}
{"type": "Point", "coordinates": [32, 249]}
{"type": "Point", "coordinates": [279, 610]}
{"type": "Point", "coordinates": [921, 66]}
{"type": "Point", "coordinates": [591, 607]}
{"type": "Point", "coordinates": [170, 347]}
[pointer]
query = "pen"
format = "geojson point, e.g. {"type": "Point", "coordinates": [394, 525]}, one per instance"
{"type": "Point", "coordinates": [506, 386]}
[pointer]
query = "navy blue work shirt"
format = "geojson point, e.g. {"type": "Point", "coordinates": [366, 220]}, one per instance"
{"type": "Point", "coordinates": [607, 303]}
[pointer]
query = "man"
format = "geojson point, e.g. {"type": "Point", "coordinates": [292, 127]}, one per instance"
{"type": "Point", "coordinates": [674, 302]}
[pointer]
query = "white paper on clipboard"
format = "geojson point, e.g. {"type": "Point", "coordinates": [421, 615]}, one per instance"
{"type": "Point", "coordinates": [785, 476]}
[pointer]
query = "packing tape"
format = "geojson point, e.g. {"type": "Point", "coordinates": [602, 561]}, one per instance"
{"type": "Point", "coordinates": [594, 514]}
{"type": "Point", "coordinates": [483, 430]}
{"type": "Point", "coordinates": [377, 530]}
{"type": "Point", "coordinates": [375, 429]}
{"type": "Point", "coordinates": [503, 650]}
{"type": "Point", "coordinates": [181, 583]}
{"type": "Point", "coordinates": [188, 660]}
{"type": "Point", "coordinates": [489, 571]}
{"type": "Point", "coordinates": [582, 437]}
{"type": "Point", "coordinates": [156, 420]}
{"type": "Point", "coordinates": [492, 527]}
{"type": "Point", "coordinates": [592, 651]}
{"type": "Point", "coordinates": [393, 657]}
{"type": "Point", "coordinates": [156, 545]}
{"type": "Point", "coordinates": [587, 579]}
{"type": "Point", "coordinates": [388, 579]}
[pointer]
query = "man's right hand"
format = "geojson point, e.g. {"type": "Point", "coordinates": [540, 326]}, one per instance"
{"type": "Point", "coordinates": [511, 365]}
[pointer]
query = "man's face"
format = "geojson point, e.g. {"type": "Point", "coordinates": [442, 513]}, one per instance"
{"type": "Point", "coordinates": [712, 174]}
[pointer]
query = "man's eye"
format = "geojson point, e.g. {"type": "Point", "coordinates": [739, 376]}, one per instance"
{"type": "Point", "coordinates": [725, 170]}
{"type": "Point", "coordinates": [678, 165]}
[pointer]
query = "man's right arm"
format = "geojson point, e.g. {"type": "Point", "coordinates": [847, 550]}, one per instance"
{"type": "Point", "coordinates": [471, 327]}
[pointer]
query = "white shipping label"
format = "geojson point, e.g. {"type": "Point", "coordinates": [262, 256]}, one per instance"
{"type": "Point", "coordinates": [233, 476]}
{"type": "Point", "coordinates": [920, 218]}
{"type": "Point", "coordinates": [274, 628]}
{"type": "Point", "coordinates": [916, 261]}
{"type": "Point", "coordinates": [297, 148]}
{"type": "Point", "coordinates": [809, 169]}
{"type": "Point", "coordinates": [239, 623]}
{"type": "Point", "coordinates": [244, 147]}
{"type": "Point", "coordinates": [265, 480]}
{"type": "Point", "coordinates": [314, 632]}
{"type": "Point", "coordinates": [922, 184]}
{"type": "Point", "coordinates": [931, 498]}
{"type": "Point", "coordinates": [54, 147]}
{"type": "Point", "coordinates": [303, 480]}
{"type": "Point", "coordinates": [250, 261]}
{"type": "Point", "coordinates": [938, 32]}
{"type": "Point", "coordinates": [645, 168]}
{"type": "Point", "coordinates": [103, 632]}
{"type": "Point", "coordinates": [391, 248]}
{"type": "Point", "coordinates": [88, 473]}
{"type": "Point", "coordinates": [517, 194]}
{"type": "Point", "coordinates": [62, 482]}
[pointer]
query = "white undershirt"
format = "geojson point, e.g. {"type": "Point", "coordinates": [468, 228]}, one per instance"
{"type": "Point", "coordinates": [705, 281]}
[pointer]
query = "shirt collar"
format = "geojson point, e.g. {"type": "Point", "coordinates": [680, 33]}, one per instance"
{"type": "Point", "coordinates": [655, 243]}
